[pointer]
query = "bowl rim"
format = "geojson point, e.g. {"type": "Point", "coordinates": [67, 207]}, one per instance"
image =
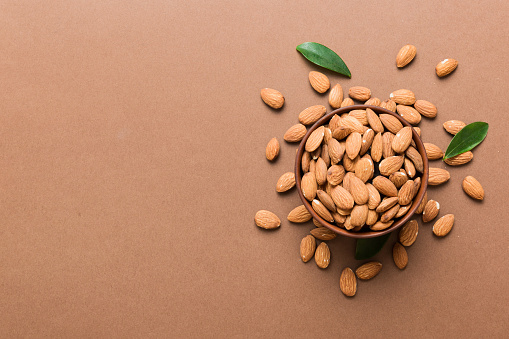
{"type": "Point", "coordinates": [366, 234]}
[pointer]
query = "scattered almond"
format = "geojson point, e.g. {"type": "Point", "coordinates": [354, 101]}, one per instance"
{"type": "Point", "coordinates": [295, 133]}
{"type": "Point", "coordinates": [312, 114]}
{"type": "Point", "coordinates": [446, 67]}
{"type": "Point", "coordinates": [473, 188]}
{"type": "Point", "coordinates": [454, 126]}
{"type": "Point", "coordinates": [307, 248]}
{"type": "Point", "coordinates": [409, 113]}
{"type": "Point", "coordinates": [348, 282]}
{"type": "Point", "coordinates": [425, 108]}
{"type": "Point", "coordinates": [368, 270]}
{"type": "Point", "coordinates": [272, 97]}
{"type": "Point", "coordinates": [433, 152]}
{"type": "Point", "coordinates": [299, 215]}
{"type": "Point", "coordinates": [266, 219]}
{"type": "Point", "coordinates": [347, 102]}
{"type": "Point", "coordinates": [405, 55]}
{"type": "Point", "coordinates": [389, 104]}
{"type": "Point", "coordinates": [408, 233]}
{"type": "Point", "coordinates": [403, 97]}
{"type": "Point", "coordinates": [400, 256]}
{"type": "Point", "coordinates": [323, 233]}
{"type": "Point", "coordinates": [460, 159]}
{"type": "Point", "coordinates": [438, 176]}
{"type": "Point", "coordinates": [322, 255]}
{"type": "Point", "coordinates": [285, 182]}
{"type": "Point", "coordinates": [359, 93]}
{"type": "Point", "coordinates": [319, 81]}
{"type": "Point", "coordinates": [272, 149]}
{"type": "Point", "coordinates": [373, 102]}
{"type": "Point", "coordinates": [431, 211]}
{"type": "Point", "coordinates": [336, 96]}
{"type": "Point", "coordinates": [443, 225]}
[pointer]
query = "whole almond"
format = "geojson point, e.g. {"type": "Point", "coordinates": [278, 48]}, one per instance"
{"type": "Point", "coordinates": [305, 161]}
{"type": "Point", "coordinates": [334, 122]}
{"type": "Point", "coordinates": [454, 126]}
{"type": "Point", "coordinates": [425, 108]}
{"type": "Point", "coordinates": [324, 154]}
{"type": "Point", "coordinates": [390, 214]}
{"type": "Point", "coordinates": [402, 140]}
{"type": "Point", "coordinates": [423, 203]}
{"type": "Point", "coordinates": [309, 186]}
{"type": "Point", "coordinates": [389, 104]}
{"type": "Point", "coordinates": [431, 211]}
{"type": "Point", "coordinates": [341, 132]}
{"type": "Point", "coordinates": [391, 123]}
{"type": "Point", "coordinates": [433, 152]}
{"type": "Point", "coordinates": [372, 217]}
{"type": "Point", "coordinates": [320, 171]}
{"type": "Point", "coordinates": [336, 96]}
{"type": "Point", "coordinates": [285, 182]}
{"type": "Point", "coordinates": [405, 55]}
{"type": "Point", "coordinates": [438, 176]}
{"type": "Point", "coordinates": [272, 149]}
{"type": "Point", "coordinates": [353, 145]}
{"type": "Point", "coordinates": [407, 193]}
{"type": "Point", "coordinates": [402, 211]}
{"type": "Point", "coordinates": [359, 114]}
{"type": "Point", "coordinates": [363, 169]}
{"type": "Point", "coordinates": [385, 186]}
{"type": "Point", "coordinates": [473, 188]}
{"type": "Point", "coordinates": [358, 190]}
{"type": "Point", "coordinates": [387, 140]}
{"type": "Point", "coordinates": [410, 168]}
{"type": "Point", "coordinates": [352, 123]}
{"type": "Point", "coordinates": [307, 248]}
{"type": "Point", "coordinates": [374, 121]}
{"type": "Point", "coordinates": [312, 114]}
{"type": "Point", "coordinates": [359, 215]}
{"type": "Point", "coordinates": [409, 113]}
{"type": "Point", "coordinates": [349, 164]}
{"type": "Point", "coordinates": [443, 225]}
{"type": "Point", "coordinates": [403, 97]}
{"type": "Point", "coordinates": [387, 204]}
{"type": "Point", "coordinates": [342, 198]}
{"type": "Point", "coordinates": [322, 211]}
{"type": "Point", "coordinates": [323, 233]}
{"type": "Point", "coordinates": [327, 135]}
{"type": "Point", "coordinates": [373, 102]}
{"type": "Point", "coordinates": [335, 174]}
{"type": "Point", "coordinates": [338, 218]}
{"type": "Point", "coordinates": [326, 200]}
{"type": "Point", "coordinates": [380, 226]}
{"type": "Point", "coordinates": [272, 97]}
{"type": "Point", "coordinates": [391, 164]}
{"type": "Point", "coordinates": [414, 155]}
{"type": "Point", "coordinates": [347, 102]}
{"type": "Point", "coordinates": [367, 140]}
{"type": "Point", "coordinates": [315, 139]}
{"type": "Point", "coordinates": [400, 256]}
{"type": "Point", "coordinates": [369, 270]}
{"type": "Point", "coordinates": [359, 93]}
{"type": "Point", "coordinates": [408, 233]}
{"type": "Point", "coordinates": [398, 178]}
{"type": "Point", "coordinates": [322, 255]}
{"type": "Point", "coordinates": [295, 133]}
{"type": "Point", "coordinates": [348, 282]}
{"type": "Point", "coordinates": [336, 151]}
{"type": "Point", "coordinates": [460, 159]}
{"type": "Point", "coordinates": [299, 215]}
{"type": "Point", "coordinates": [377, 147]}
{"type": "Point", "coordinates": [319, 81]}
{"type": "Point", "coordinates": [266, 219]}
{"type": "Point", "coordinates": [374, 196]}
{"type": "Point", "coordinates": [446, 67]}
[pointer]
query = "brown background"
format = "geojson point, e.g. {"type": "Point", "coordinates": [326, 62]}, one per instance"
{"type": "Point", "coordinates": [132, 143]}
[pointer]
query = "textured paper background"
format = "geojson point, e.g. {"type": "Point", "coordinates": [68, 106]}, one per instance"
{"type": "Point", "coordinates": [132, 139]}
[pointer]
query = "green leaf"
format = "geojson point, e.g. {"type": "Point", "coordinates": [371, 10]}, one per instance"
{"type": "Point", "coordinates": [467, 138]}
{"type": "Point", "coordinates": [366, 248]}
{"type": "Point", "coordinates": [324, 56]}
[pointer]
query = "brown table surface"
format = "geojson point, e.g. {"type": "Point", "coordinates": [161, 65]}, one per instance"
{"type": "Point", "coordinates": [132, 138]}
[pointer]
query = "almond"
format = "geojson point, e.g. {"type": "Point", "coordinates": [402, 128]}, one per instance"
{"type": "Point", "coordinates": [315, 139]}
{"type": "Point", "coordinates": [341, 132]}
{"type": "Point", "coordinates": [373, 102]}
{"type": "Point", "coordinates": [327, 135]}
{"type": "Point", "coordinates": [285, 182]}
{"type": "Point", "coordinates": [407, 193]}
{"type": "Point", "coordinates": [347, 102]}
{"type": "Point", "coordinates": [438, 176]}
{"type": "Point", "coordinates": [473, 188]}
{"type": "Point", "coordinates": [358, 190]}
{"type": "Point", "coordinates": [322, 211]}
{"type": "Point", "coordinates": [320, 171]}
{"type": "Point", "coordinates": [323, 233]}
{"type": "Point", "coordinates": [299, 215]}
{"type": "Point", "coordinates": [454, 126]}
{"type": "Point", "coordinates": [348, 282]}
{"type": "Point", "coordinates": [430, 211]}
{"type": "Point", "coordinates": [372, 217]}
{"type": "Point", "coordinates": [353, 145]}
{"type": "Point", "coordinates": [408, 233]}
{"type": "Point", "coordinates": [374, 197]}
{"type": "Point", "coordinates": [312, 114]}
{"type": "Point", "coordinates": [425, 108]}
{"type": "Point", "coordinates": [408, 113]}
{"type": "Point", "coordinates": [343, 212]}
{"type": "Point", "coordinates": [326, 200]}
{"type": "Point", "coordinates": [433, 151]}
{"type": "Point", "coordinates": [374, 121]}
{"type": "Point", "coordinates": [336, 96]}
{"type": "Point", "coordinates": [446, 67]}
{"type": "Point", "coordinates": [403, 97]}
{"type": "Point", "coordinates": [338, 218]}
{"type": "Point", "coordinates": [402, 140]}
{"type": "Point", "coordinates": [443, 225]}
{"type": "Point", "coordinates": [352, 123]}
{"type": "Point", "coordinates": [369, 270]}
{"type": "Point", "coordinates": [349, 164]}
{"type": "Point", "coordinates": [398, 178]}
{"type": "Point", "coordinates": [307, 248]}
{"type": "Point", "coordinates": [386, 204]}
{"type": "Point", "coordinates": [416, 158]}
{"type": "Point", "coordinates": [460, 159]}
{"type": "Point", "coordinates": [305, 161]}
{"type": "Point", "coordinates": [319, 81]}
{"type": "Point", "coordinates": [336, 151]}
{"type": "Point", "coordinates": [295, 133]}
{"type": "Point", "coordinates": [309, 186]}
{"type": "Point", "coordinates": [391, 123]}
{"type": "Point", "coordinates": [363, 169]}
{"type": "Point", "coordinates": [334, 122]}
{"type": "Point", "coordinates": [405, 55]}
{"type": "Point", "coordinates": [389, 104]}
{"type": "Point", "coordinates": [272, 149]}
{"type": "Point", "coordinates": [367, 140]}
{"type": "Point", "coordinates": [409, 168]}
{"type": "Point", "coordinates": [312, 165]}
{"type": "Point", "coordinates": [324, 154]}
{"type": "Point", "coordinates": [359, 93]}
{"type": "Point", "coordinates": [385, 186]}
{"type": "Point", "coordinates": [423, 203]}
{"type": "Point", "coordinates": [402, 211]}
{"type": "Point", "coordinates": [266, 219]}
{"type": "Point", "coordinates": [387, 140]}
{"type": "Point", "coordinates": [400, 256]}
{"type": "Point", "coordinates": [360, 115]}
{"type": "Point", "coordinates": [380, 226]}
{"type": "Point", "coordinates": [342, 198]}
{"type": "Point", "coordinates": [335, 174]}
{"type": "Point", "coordinates": [359, 215]}
{"type": "Point", "coordinates": [322, 255]}
{"type": "Point", "coordinates": [272, 97]}
{"type": "Point", "coordinates": [390, 214]}
{"type": "Point", "coordinates": [391, 164]}
{"type": "Point", "coordinates": [377, 147]}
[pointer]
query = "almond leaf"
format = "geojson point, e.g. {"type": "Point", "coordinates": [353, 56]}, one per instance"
{"type": "Point", "coordinates": [467, 138]}
{"type": "Point", "coordinates": [323, 56]}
